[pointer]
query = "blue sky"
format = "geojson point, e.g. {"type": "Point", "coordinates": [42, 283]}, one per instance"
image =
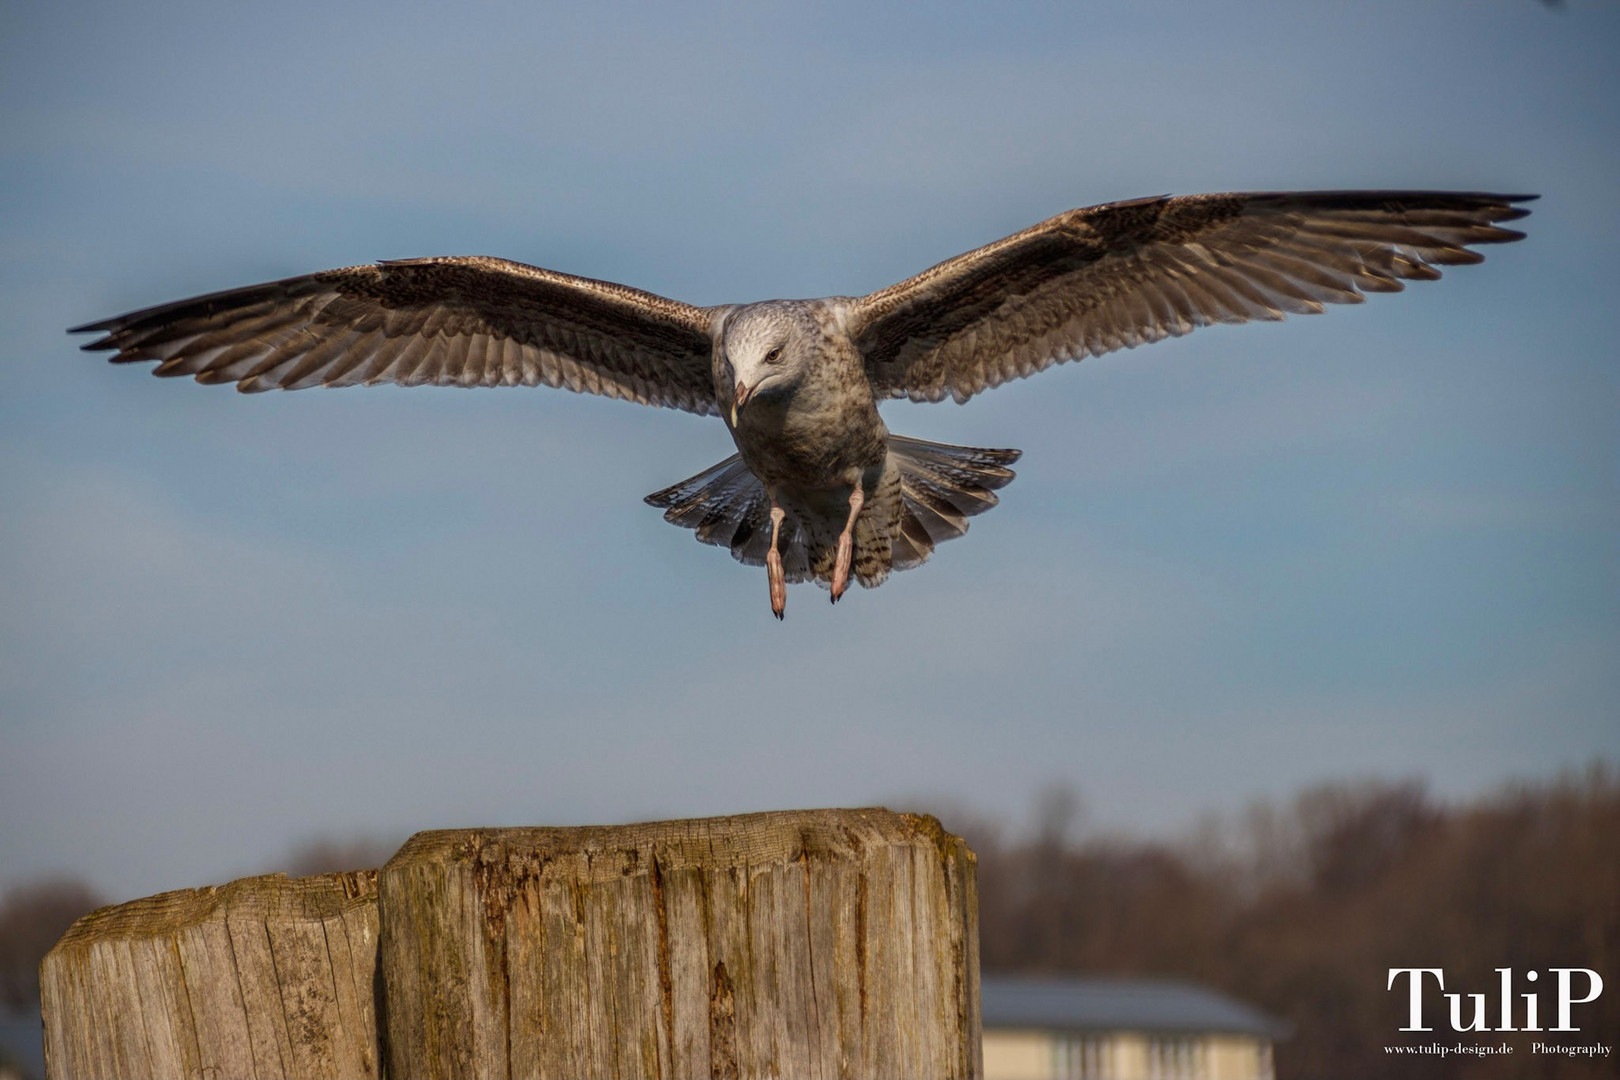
{"type": "Point", "coordinates": [1378, 542]}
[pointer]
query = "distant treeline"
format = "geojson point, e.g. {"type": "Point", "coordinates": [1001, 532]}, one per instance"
{"type": "Point", "coordinates": [34, 915]}
{"type": "Point", "coordinates": [1303, 908]}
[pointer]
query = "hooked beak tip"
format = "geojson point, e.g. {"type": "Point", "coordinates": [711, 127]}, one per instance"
{"type": "Point", "coordinates": [739, 400]}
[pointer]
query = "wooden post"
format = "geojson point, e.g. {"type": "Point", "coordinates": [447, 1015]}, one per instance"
{"type": "Point", "coordinates": [264, 977]}
{"type": "Point", "coordinates": [809, 944]}
{"type": "Point", "coordinates": [817, 944]}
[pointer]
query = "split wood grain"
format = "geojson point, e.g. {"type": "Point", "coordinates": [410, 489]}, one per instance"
{"type": "Point", "coordinates": [264, 977]}
{"type": "Point", "coordinates": [829, 943]}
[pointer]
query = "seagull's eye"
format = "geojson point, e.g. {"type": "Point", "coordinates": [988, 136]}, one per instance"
{"type": "Point", "coordinates": [774, 356]}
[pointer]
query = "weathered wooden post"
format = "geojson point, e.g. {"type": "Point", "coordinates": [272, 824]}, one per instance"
{"type": "Point", "coordinates": [818, 944]}
{"type": "Point", "coordinates": [826, 943]}
{"type": "Point", "coordinates": [264, 977]}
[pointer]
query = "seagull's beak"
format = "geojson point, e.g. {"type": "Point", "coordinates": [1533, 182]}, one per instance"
{"type": "Point", "coordinates": [744, 392]}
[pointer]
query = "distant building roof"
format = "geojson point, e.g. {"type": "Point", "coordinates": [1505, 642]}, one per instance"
{"type": "Point", "coordinates": [1108, 1004]}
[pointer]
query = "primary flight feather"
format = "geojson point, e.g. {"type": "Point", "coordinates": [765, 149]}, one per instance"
{"type": "Point", "coordinates": [819, 489]}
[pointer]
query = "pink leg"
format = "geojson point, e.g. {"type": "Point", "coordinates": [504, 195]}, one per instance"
{"type": "Point", "coordinates": [773, 564]}
{"type": "Point", "coordinates": [846, 545]}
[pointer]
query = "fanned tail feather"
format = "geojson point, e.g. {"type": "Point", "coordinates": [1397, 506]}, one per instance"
{"type": "Point", "coordinates": [727, 506]}
{"type": "Point", "coordinates": [941, 486]}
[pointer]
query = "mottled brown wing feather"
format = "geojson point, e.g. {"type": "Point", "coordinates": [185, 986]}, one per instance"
{"type": "Point", "coordinates": [446, 322]}
{"type": "Point", "coordinates": [1125, 274]}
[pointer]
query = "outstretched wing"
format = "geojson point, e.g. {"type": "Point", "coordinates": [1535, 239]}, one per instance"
{"type": "Point", "coordinates": [1124, 274]}
{"type": "Point", "coordinates": [445, 322]}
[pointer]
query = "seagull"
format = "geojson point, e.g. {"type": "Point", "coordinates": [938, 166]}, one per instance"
{"type": "Point", "coordinates": [819, 489]}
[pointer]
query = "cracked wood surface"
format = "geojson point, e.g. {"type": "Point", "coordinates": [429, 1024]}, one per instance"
{"type": "Point", "coordinates": [824, 943]}
{"type": "Point", "coordinates": [264, 977]}
{"type": "Point", "coordinates": [818, 943]}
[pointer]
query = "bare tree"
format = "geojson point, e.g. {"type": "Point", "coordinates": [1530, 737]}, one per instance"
{"type": "Point", "coordinates": [1303, 906]}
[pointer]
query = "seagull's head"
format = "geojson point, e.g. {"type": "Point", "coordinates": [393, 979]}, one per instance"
{"type": "Point", "coordinates": [768, 348]}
